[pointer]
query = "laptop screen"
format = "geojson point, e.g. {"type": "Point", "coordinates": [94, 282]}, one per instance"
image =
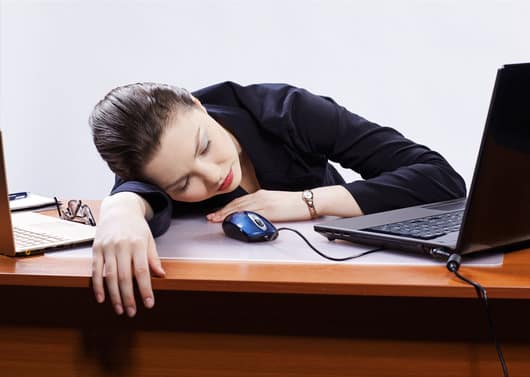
{"type": "Point", "coordinates": [499, 200]}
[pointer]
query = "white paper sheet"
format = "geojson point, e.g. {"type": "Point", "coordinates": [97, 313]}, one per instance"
{"type": "Point", "coordinates": [32, 201]}
{"type": "Point", "coordinates": [195, 238]}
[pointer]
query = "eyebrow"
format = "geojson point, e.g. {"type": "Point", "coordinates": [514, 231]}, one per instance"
{"type": "Point", "coordinates": [197, 144]}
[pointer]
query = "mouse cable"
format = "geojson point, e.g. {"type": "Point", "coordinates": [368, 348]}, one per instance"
{"type": "Point", "coordinates": [326, 256]}
{"type": "Point", "coordinates": [453, 264]}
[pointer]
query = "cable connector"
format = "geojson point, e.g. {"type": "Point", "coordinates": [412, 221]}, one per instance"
{"type": "Point", "coordinates": [453, 263]}
{"type": "Point", "coordinates": [438, 252]}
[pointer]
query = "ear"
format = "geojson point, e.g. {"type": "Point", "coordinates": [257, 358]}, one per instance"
{"type": "Point", "coordinates": [198, 103]}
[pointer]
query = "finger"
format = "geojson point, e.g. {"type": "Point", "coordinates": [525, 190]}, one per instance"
{"type": "Point", "coordinates": [97, 273]}
{"type": "Point", "coordinates": [239, 204]}
{"type": "Point", "coordinates": [111, 280]}
{"type": "Point", "coordinates": [125, 280]}
{"type": "Point", "coordinates": [154, 259]}
{"type": "Point", "coordinates": [143, 278]}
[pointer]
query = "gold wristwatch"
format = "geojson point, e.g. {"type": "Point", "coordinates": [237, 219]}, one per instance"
{"type": "Point", "coordinates": [307, 196]}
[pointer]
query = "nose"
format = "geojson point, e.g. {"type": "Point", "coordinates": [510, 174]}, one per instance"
{"type": "Point", "coordinates": [210, 173]}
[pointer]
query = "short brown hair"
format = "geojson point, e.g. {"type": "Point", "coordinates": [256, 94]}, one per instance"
{"type": "Point", "coordinates": [127, 124]}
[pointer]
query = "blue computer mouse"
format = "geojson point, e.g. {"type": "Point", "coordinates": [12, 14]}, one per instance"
{"type": "Point", "coordinates": [249, 226]}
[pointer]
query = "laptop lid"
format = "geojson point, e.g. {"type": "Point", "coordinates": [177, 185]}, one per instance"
{"type": "Point", "coordinates": [498, 208]}
{"type": "Point", "coordinates": [7, 241]}
{"type": "Point", "coordinates": [50, 232]}
{"type": "Point", "coordinates": [499, 195]}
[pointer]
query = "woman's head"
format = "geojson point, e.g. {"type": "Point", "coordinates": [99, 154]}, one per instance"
{"type": "Point", "coordinates": [128, 123]}
{"type": "Point", "coordinates": [162, 134]}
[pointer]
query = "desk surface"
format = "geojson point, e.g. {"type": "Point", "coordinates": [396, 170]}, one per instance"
{"type": "Point", "coordinates": [217, 319]}
{"type": "Point", "coordinates": [511, 280]}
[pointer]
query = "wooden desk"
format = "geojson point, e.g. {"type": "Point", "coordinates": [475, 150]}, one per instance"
{"type": "Point", "coordinates": [252, 319]}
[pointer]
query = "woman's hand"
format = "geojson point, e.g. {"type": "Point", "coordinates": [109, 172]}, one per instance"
{"type": "Point", "coordinates": [289, 205]}
{"type": "Point", "coordinates": [124, 247]}
{"type": "Point", "coordinates": [273, 205]}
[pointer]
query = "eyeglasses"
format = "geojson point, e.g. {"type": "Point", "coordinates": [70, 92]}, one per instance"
{"type": "Point", "coordinates": [75, 211]}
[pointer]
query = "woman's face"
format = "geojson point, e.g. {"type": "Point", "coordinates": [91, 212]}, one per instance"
{"type": "Point", "coordinates": [197, 158]}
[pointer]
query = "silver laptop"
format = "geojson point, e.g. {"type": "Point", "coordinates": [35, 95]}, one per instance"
{"type": "Point", "coordinates": [28, 233]}
{"type": "Point", "coordinates": [496, 213]}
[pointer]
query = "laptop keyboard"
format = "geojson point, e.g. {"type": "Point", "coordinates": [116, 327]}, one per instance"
{"type": "Point", "coordinates": [26, 238]}
{"type": "Point", "coordinates": [424, 228]}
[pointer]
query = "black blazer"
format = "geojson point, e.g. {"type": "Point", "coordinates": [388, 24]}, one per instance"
{"type": "Point", "coordinates": [290, 135]}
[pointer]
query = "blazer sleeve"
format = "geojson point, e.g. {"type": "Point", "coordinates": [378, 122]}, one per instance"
{"type": "Point", "coordinates": [396, 171]}
{"type": "Point", "coordinates": [156, 197]}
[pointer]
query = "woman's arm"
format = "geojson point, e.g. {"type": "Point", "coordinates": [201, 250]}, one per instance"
{"type": "Point", "coordinates": [335, 201]}
{"type": "Point", "coordinates": [396, 171]}
{"type": "Point", "coordinates": [124, 249]}
{"type": "Point", "coordinates": [158, 201]}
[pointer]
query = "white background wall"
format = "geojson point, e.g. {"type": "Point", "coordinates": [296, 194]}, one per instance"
{"type": "Point", "coordinates": [424, 67]}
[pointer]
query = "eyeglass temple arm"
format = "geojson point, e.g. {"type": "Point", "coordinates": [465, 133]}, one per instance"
{"type": "Point", "coordinates": [58, 206]}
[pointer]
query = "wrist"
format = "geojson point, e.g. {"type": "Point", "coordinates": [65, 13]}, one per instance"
{"type": "Point", "coordinates": [128, 202]}
{"type": "Point", "coordinates": [309, 199]}
{"type": "Point", "coordinates": [335, 201]}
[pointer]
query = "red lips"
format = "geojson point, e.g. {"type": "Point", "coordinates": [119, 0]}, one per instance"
{"type": "Point", "coordinates": [228, 181]}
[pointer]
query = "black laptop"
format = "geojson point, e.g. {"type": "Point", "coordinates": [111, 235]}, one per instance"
{"type": "Point", "coordinates": [496, 212]}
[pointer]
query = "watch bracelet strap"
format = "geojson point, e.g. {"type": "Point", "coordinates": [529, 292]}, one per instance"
{"type": "Point", "coordinates": [310, 204]}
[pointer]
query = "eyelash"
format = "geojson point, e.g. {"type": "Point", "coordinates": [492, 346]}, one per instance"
{"type": "Point", "coordinates": [183, 188]}
{"type": "Point", "coordinates": [207, 148]}
{"type": "Point", "coordinates": [204, 151]}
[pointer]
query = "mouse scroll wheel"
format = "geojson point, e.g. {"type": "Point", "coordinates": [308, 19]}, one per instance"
{"type": "Point", "coordinates": [258, 222]}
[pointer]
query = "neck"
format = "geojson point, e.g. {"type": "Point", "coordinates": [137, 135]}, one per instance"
{"type": "Point", "coordinates": [249, 181]}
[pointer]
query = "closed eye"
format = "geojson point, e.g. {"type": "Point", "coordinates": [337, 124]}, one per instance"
{"type": "Point", "coordinates": [206, 148]}
{"type": "Point", "coordinates": [184, 186]}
